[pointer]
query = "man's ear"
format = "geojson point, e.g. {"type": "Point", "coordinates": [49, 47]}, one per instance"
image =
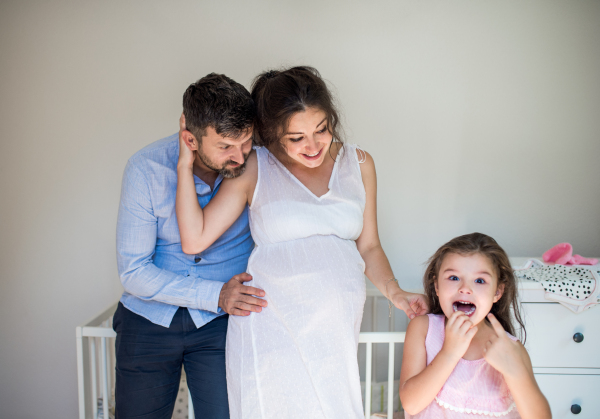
{"type": "Point", "coordinates": [499, 292]}
{"type": "Point", "coordinates": [190, 140]}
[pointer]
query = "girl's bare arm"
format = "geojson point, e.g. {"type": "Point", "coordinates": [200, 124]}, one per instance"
{"type": "Point", "coordinates": [512, 360]}
{"type": "Point", "coordinates": [530, 402]}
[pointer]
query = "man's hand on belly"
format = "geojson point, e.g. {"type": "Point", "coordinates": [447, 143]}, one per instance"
{"type": "Point", "coordinates": [239, 299]}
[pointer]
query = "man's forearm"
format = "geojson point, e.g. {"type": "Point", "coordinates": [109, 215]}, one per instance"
{"type": "Point", "coordinates": [149, 282]}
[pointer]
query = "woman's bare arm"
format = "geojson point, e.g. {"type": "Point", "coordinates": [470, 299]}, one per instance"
{"type": "Point", "coordinates": [378, 268]}
{"type": "Point", "coordinates": [199, 228]}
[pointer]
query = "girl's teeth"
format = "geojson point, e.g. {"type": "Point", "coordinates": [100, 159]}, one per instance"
{"type": "Point", "coordinates": [471, 310]}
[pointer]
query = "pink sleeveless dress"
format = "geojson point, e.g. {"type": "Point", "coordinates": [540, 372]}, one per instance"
{"type": "Point", "coordinates": [473, 389]}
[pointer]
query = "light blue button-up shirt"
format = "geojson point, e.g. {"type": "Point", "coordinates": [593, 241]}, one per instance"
{"type": "Point", "coordinates": [157, 276]}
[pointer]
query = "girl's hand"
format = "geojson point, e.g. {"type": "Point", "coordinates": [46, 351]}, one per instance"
{"type": "Point", "coordinates": [186, 154]}
{"type": "Point", "coordinates": [459, 333]}
{"type": "Point", "coordinates": [412, 304]}
{"type": "Point", "coordinates": [504, 354]}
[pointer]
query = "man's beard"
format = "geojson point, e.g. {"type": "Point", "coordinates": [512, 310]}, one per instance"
{"type": "Point", "coordinates": [224, 171]}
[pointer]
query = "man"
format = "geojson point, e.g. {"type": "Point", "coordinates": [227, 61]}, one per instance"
{"type": "Point", "coordinates": [175, 306]}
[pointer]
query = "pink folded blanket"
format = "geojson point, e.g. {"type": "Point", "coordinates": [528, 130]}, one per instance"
{"type": "Point", "coordinates": [562, 254]}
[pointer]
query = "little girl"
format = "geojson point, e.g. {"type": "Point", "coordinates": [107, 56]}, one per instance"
{"type": "Point", "coordinates": [463, 360]}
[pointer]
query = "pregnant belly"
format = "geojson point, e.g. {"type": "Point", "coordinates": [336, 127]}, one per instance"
{"type": "Point", "coordinates": [312, 278]}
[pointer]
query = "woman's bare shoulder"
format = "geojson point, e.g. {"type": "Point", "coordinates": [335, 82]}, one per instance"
{"type": "Point", "coordinates": [252, 163]}
{"type": "Point", "coordinates": [367, 164]}
{"type": "Point", "coordinates": [367, 169]}
{"type": "Point", "coordinates": [250, 175]}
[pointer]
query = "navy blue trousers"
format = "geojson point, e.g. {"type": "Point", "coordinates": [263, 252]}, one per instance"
{"type": "Point", "coordinates": [149, 360]}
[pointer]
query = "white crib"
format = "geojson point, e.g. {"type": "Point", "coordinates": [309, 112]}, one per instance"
{"type": "Point", "coordinates": [96, 365]}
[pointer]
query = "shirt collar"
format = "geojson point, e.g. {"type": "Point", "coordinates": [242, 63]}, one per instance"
{"type": "Point", "coordinates": [202, 188]}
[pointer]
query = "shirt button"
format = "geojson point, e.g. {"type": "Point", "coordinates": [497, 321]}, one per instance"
{"type": "Point", "coordinates": [197, 259]}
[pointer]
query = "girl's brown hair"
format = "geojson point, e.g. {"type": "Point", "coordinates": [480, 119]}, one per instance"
{"type": "Point", "coordinates": [278, 95]}
{"type": "Point", "coordinates": [485, 245]}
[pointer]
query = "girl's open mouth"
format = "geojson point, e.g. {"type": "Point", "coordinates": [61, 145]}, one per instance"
{"type": "Point", "coordinates": [464, 306]}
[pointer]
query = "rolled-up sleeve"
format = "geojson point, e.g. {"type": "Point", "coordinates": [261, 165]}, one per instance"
{"type": "Point", "coordinates": [137, 229]}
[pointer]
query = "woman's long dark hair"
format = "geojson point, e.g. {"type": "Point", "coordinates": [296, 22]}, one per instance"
{"type": "Point", "coordinates": [485, 245]}
{"type": "Point", "coordinates": [279, 94]}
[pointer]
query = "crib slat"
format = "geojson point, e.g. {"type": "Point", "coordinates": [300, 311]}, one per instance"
{"type": "Point", "coordinates": [390, 406]}
{"type": "Point", "coordinates": [94, 379]}
{"type": "Point", "coordinates": [374, 314]}
{"type": "Point", "coordinates": [191, 414]}
{"type": "Point", "coordinates": [108, 374]}
{"type": "Point", "coordinates": [80, 374]}
{"type": "Point", "coordinates": [374, 329]}
{"type": "Point", "coordinates": [104, 379]}
{"type": "Point", "coordinates": [368, 381]}
{"type": "Point", "coordinates": [113, 363]}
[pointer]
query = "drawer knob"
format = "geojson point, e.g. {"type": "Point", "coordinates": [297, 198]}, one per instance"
{"type": "Point", "coordinates": [575, 409]}
{"type": "Point", "coordinates": [578, 337]}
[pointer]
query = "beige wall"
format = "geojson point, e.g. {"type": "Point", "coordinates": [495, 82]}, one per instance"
{"type": "Point", "coordinates": [481, 115]}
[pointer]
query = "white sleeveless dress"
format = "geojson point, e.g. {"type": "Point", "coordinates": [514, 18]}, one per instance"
{"type": "Point", "coordinates": [298, 357]}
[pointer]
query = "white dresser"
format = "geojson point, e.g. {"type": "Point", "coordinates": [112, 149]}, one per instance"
{"type": "Point", "coordinates": [565, 351]}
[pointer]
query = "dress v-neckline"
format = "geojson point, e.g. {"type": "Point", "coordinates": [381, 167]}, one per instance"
{"type": "Point", "coordinates": [302, 185]}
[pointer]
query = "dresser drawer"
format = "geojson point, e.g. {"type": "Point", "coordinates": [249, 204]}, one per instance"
{"type": "Point", "coordinates": [565, 391]}
{"type": "Point", "coordinates": [550, 336]}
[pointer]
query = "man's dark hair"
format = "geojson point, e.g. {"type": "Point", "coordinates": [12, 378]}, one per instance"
{"type": "Point", "coordinates": [217, 101]}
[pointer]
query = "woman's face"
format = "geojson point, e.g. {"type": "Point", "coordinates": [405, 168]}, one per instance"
{"type": "Point", "coordinates": [307, 139]}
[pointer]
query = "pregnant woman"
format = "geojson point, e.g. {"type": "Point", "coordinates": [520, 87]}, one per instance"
{"type": "Point", "coordinates": [312, 203]}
